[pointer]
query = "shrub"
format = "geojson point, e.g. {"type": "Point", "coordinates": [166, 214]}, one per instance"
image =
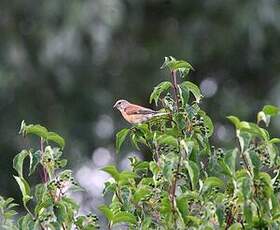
{"type": "Point", "coordinates": [187, 184]}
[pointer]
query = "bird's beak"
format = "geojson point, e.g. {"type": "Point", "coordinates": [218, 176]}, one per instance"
{"type": "Point", "coordinates": [115, 105]}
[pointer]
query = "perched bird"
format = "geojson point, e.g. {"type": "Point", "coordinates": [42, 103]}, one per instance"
{"type": "Point", "coordinates": [135, 114]}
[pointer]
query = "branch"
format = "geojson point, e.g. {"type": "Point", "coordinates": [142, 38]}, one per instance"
{"type": "Point", "coordinates": [175, 87]}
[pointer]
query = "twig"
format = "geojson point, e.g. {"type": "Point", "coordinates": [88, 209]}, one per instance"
{"type": "Point", "coordinates": [175, 87]}
{"type": "Point", "coordinates": [45, 174]}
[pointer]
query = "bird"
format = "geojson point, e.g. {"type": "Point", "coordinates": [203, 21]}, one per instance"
{"type": "Point", "coordinates": [135, 114]}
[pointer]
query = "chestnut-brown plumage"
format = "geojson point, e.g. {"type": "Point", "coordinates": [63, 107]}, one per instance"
{"type": "Point", "coordinates": [135, 114]}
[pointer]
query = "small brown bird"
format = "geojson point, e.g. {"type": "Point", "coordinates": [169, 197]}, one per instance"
{"type": "Point", "coordinates": [135, 114]}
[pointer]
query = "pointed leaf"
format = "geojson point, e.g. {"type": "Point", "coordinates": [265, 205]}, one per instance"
{"type": "Point", "coordinates": [52, 136]}
{"type": "Point", "coordinates": [124, 217]}
{"type": "Point", "coordinates": [18, 161]}
{"type": "Point", "coordinates": [38, 130]}
{"type": "Point", "coordinates": [107, 212]}
{"type": "Point", "coordinates": [112, 170]}
{"type": "Point", "coordinates": [271, 110]}
{"type": "Point", "coordinates": [35, 158]}
{"type": "Point", "coordinates": [158, 90]}
{"type": "Point", "coordinates": [25, 189]}
{"type": "Point", "coordinates": [194, 89]}
{"type": "Point", "coordinates": [120, 137]}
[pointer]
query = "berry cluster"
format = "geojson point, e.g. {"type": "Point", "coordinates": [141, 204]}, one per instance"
{"type": "Point", "coordinates": [198, 125]}
{"type": "Point", "coordinates": [166, 148]}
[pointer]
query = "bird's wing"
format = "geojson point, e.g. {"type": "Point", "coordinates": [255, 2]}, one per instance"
{"type": "Point", "coordinates": [135, 109]}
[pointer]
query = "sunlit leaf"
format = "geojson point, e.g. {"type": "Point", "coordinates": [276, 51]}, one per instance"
{"type": "Point", "coordinates": [106, 212]}
{"type": "Point", "coordinates": [182, 205]}
{"type": "Point", "coordinates": [234, 120]}
{"type": "Point", "coordinates": [112, 170]}
{"type": "Point", "coordinates": [177, 65]}
{"type": "Point", "coordinates": [141, 193]}
{"type": "Point", "coordinates": [38, 130]}
{"type": "Point", "coordinates": [236, 226]}
{"type": "Point", "coordinates": [124, 217]}
{"type": "Point", "coordinates": [52, 136]}
{"type": "Point", "coordinates": [271, 110]}
{"type": "Point", "coordinates": [24, 188]}
{"type": "Point", "coordinates": [18, 161]}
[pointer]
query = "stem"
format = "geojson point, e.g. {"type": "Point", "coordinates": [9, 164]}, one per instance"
{"type": "Point", "coordinates": [173, 186]}
{"type": "Point", "coordinates": [175, 87]}
{"type": "Point", "coordinates": [243, 158]}
{"type": "Point", "coordinates": [29, 212]}
{"type": "Point", "coordinates": [119, 197]}
{"type": "Point", "coordinates": [45, 174]}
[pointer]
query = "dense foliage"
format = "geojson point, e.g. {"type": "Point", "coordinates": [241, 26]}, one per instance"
{"type": "Point", "coordinates": [187, 184]}
{"type": "Point", "coordinates": [47, 204]}
{"type": "Point", "coordinates": [190, 183]}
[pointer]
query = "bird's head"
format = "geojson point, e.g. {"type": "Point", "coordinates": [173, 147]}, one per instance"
{"type": "Point", "coordinates": [121, 104]}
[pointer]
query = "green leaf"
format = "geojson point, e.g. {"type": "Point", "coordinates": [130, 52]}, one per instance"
{"type": "Point", "coordinates": [140, 193]}
{"type": "Point", "coordinates": [24, 188]}
{"type": "Point", "coordinates": [60, 212]}
{"type": "Point", "coordinates": [247, 209]}
{"type": "Point", "coordinates": [274, 141]}
{"type": "Point", "coordinates": [112, 170]}
{"type": "Point", "coordinates": [165, 206]}
{"type": "Point", "coordinates": [52, 136]}
{"type": "Point", "coordinates": [246, 187]}
{"type": "Point", "coordinates": [40, 191]}
{"type": "Point", "coordinates": [158, 90]}
{"type": "Point", "coordinates": [35, 158]}
{"type": "Point", "coordinates": [178, 65]}
{"type": "Point", "coordinates": [182, 205]}
{"type": "Point", "coordinates": [184, 95]}
{"type": "Point", "coordinates": [27, 223]}
{"type": "Point", "coordinates": [267, 185]}
{"type": "Point", "coordinates": [124, 217]}
{"type": "Point", "coordinates": [220, 215]}
{"type": "Point", "coordinates": [120, 137]}
{"type": "Point", "coordinates": [271, 110]}
{"type": "Point", "coordinates": [230, 159]}
{"type": "Point", "coordinates": [234, 120]}
{"type": "Point", "coordinates": [167, 170]}
{"type": "Point", "coordinates": [193, 171]}
{"type": "Point", "coordinates": [18, 161]}
{"type": "Point", "coordinates": [256, 163]}
{"type": "Point", "coordinates": [208, 123]}
{"type": "Point", "coordinates": [167, 139]}
{"type": "Point", "coordinates": [213, 182]}
{"type": "Point", "coordinates": [38, 130]}
{"type": "Point", "coordinates": [154, 168]}
{"type": "Point", "coordinates": [226, 169]}
{"type": "Point", "coordinates": [254, 130]}
{"type": "Point", "coordinates": [107, 212]}
{"type": "Point", "coordinates": [194, 89]}
{"type": "Point", "coordinates": [125, 176]}
{"type": "Point", "coordinates": [236, 226]}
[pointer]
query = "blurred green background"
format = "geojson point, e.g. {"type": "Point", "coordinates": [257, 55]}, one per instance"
{"type": "Point", "coordinates": [64, 63]}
